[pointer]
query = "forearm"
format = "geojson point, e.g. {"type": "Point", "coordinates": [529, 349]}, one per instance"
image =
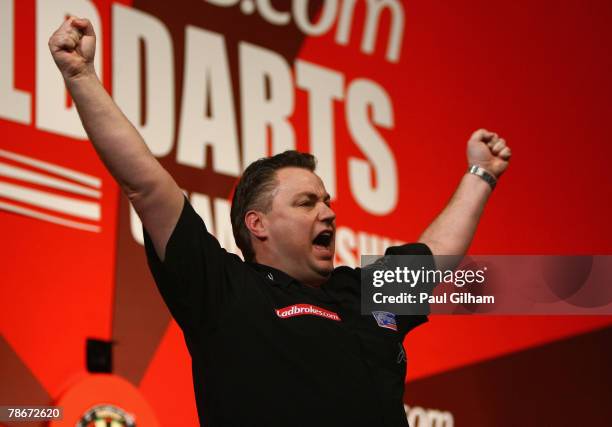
{"type": "Point", "coordinates": [154, 194]}
{"type": "Point", "coordinates": [117, 142]}
{"type": "Point", "coordinates": [453, 230]}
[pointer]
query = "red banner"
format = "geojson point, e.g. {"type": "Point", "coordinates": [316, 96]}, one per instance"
{"type": "Point", "coordinates": [385, 93]}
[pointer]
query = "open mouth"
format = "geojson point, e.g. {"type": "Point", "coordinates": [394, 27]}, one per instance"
{"type": "Point", "coordinates": [323, 239]}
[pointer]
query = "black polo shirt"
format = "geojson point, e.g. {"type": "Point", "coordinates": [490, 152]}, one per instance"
{"type": "Point", "coordinates": [269, 351]}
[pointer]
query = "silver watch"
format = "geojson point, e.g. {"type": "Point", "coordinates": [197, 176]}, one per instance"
{"type": "Point", "coordinates": [486, 176]}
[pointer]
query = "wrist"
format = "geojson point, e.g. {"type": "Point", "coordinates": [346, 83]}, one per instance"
{"type": "Point", "coordinates": [87, 75]}
{"type": "Point", "coordinates": [483, 174]}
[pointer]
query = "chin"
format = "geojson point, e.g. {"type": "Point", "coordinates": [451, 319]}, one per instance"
{"type": "Point", "coordinates": [325, 268]}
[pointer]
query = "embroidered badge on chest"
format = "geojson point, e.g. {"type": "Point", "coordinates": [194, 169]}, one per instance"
{"type": "Point", "coordinates": [385, 319]}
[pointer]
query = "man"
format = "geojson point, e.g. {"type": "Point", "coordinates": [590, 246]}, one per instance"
{"type": "Point", "coordinates": [278, 339]}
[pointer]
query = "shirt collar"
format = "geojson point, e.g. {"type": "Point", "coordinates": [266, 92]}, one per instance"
{"type": "Point", "coordinates": [273, 275]}
{"type": "Point", "coordinates": [279, 278]}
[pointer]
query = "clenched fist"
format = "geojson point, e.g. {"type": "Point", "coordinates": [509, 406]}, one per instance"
{"type": "Point", "coordinates": [73, 47]}
{"type": "Point", "coordinates": [489, 151]}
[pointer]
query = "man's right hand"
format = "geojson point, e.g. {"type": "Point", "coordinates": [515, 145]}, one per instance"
{"type": "Point", "coordinates": [73, 47]}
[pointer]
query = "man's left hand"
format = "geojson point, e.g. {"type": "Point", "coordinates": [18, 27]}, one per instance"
{"type": "Point", "coordinates": [489, 151]}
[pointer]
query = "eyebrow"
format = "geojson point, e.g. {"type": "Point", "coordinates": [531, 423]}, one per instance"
{"type": "Point", "coordinates": [312, 195]}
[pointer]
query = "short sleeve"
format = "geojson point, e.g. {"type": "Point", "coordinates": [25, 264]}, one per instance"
{"type": "Point", "coordinates": [410, 249]}
{"type": "Point", "coordinates": [421, 257]}
{"type": "Point", "coordinates": [193, 279]}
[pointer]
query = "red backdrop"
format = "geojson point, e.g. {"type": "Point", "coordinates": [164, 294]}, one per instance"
{"type": "Point", "coordinates": [537, 73]}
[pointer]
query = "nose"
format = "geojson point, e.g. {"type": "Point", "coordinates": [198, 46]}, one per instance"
{"type": "Point", "coordinates": [327, 214]}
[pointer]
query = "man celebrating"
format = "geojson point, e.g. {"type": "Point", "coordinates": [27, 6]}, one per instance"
{"type": "Point", "coordinates": [277, 339]}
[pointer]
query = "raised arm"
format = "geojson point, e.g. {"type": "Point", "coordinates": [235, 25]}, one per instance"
{"type": "Point", "coordinates": [452, 231]}
{"type": "Point", "coordinates": [154, 194]}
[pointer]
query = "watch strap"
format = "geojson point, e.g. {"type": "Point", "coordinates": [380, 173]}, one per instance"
{"type": "Point", "coordinates": [482, 173]}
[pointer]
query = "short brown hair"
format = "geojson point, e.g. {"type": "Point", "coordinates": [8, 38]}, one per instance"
{"type": "Point", "coordinates": [254, 190]}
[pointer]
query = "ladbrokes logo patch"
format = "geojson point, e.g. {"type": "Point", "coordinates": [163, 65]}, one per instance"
{"type": "Point", "coordinates": [306, 309]}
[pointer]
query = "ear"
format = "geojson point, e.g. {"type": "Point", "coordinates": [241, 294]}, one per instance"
{"type": "Point", "coordinates": [256, 225]}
